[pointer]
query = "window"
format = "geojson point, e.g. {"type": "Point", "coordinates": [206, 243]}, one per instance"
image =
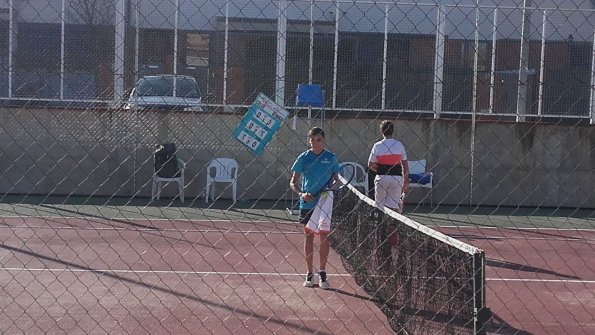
{"type": "Point", "coordinates": [38, 47]}
{"type": "Point", "coordinates": [468, 54]}
{"type": "Point", "coordinates": [398, 50]}
{"type": "Point", "coordinates": [197, 49]}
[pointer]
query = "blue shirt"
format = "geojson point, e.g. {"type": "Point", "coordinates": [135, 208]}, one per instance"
{"type": "Point", "coordinates": [317, 171]}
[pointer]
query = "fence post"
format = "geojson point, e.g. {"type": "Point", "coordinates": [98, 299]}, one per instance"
{"type": "Point", "coordinates": [439, 61]}
{"type": "Point", "coordinates": [521, 101]}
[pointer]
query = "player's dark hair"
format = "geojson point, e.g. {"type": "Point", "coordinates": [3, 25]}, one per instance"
{"type": "Point", "coordinates": [316, 131]}
{"type": "Point", "coordinates": [387, 128]}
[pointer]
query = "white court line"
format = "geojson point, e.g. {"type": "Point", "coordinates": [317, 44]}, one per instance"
{"type": "Point", "coordinates": [159, 230]}
{"type": "Point", "coordinates": [525, 238]}
{"type": "Point", "coordinates": [573, 281]}
{"type": "Point", "coordinates": [155, 229]}
{"type": "Point", "coordinates": [231, 231]}
{"type": "Point", "coordinates": [200, 273]}
{"type": "Point", "coordinates": [90, 218]}
{"type": "Point", "coordinates": [261, 274]}
{"type": "Point", "coordinates": [522, 228]}
{"type": "Point", "coordinates": [133, 220]}
{"type": "Point", "coordinates": [282, 222]}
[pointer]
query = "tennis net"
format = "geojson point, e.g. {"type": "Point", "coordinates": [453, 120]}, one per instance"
{"type": "Point", "coordinates": [424, 281]}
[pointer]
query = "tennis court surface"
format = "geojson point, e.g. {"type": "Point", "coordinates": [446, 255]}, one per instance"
{"type": "Point", "coordinates": [130, 267]}
{"type": "Point", "coordinates": [74, 271]}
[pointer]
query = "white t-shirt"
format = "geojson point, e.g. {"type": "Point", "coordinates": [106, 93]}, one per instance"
{"type": "Point", "coordinates": [388, 151]}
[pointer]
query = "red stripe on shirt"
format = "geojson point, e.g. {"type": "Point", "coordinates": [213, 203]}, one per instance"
{"type": "Point", "coordinates": [391, 159]}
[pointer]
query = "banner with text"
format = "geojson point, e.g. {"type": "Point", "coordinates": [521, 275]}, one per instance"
{"type": "Point", "coordinates": [259, 125]}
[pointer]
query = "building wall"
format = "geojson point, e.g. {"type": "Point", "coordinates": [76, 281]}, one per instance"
{"type": "Point", "coordinates": [355, 16]}
{"type": "Point", "coordinates": [95, 152]}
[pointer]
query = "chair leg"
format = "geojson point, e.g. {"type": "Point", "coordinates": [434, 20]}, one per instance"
{"type": "Point", "coordinates": [207, 192]}
{"type": "Point", "coordinates": [153, 190]}
{"type": "Point", "coordinates": [158, 190]}
{"type": "Point", "coordinates": [181, 190]}
{"type": "Point", "coordinates": [234, 189]}
{"type": "Point", "coordinates": [210, 191]}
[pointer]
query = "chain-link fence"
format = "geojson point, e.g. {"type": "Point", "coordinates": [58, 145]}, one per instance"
{"type": "Point", "coordinates": [497, 97]}
{"type": "Point", "coordinates": [483, 58]}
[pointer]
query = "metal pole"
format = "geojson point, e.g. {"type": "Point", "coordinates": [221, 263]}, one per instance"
{"type": "Point", "coordinates": [225, 49]}
{"type": "Point", "coordinates": [176, 22]}
{"type": "Point", "coordinates": [474, 101]}
{"type": "Point", "coordinates": [281, 53]}
{"type": "Point", "coordinates": [62, 42]}
{"type": "Point", "coordinates": [592, 100]}
{"type": "Point", "coordinates": [521, 102]}
{"type": "Point", "coordinates": [336, 55]}
{"type": "Point", "coordinates": [119, 50]}
{"type": "Point", "coordinates": [311, 61]}
{"type": "Point", "coordinates": [11, 33]}
{"type": "Point", "coordinates": [475, 65]}
{"type": "Point", "coordinates": [384, 56]}
{"type": "Point", "coordinates": [439, 61]}
{"type": "Point", "coordinates": [493, 67]}
{"type": "Point", "coordinates": [137, 40]}
{"type": "Point", "coordinates": [542, 64]}
{"type": "Point", "coordinates": [134, 150]}
{"type": "Point", "coordinates": [119, 33]}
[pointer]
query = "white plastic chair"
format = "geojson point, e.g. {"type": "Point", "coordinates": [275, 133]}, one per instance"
{"type": "Point", "coordinates": [225, 171]}
{"type": "Point", "coordinates": [156, 187]}
{"type": "Point", "coordinates": [361, 176]}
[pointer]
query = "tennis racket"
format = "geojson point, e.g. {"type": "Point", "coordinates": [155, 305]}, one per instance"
{"type": "Point", "coordinates": [347, 173]}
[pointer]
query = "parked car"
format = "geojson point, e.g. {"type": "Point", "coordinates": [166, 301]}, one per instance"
{"type": "Point", "coordinates": [171, 92]}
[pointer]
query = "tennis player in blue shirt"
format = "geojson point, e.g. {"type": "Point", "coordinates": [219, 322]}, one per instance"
{"type": "Point", "coordinates": [317, 168]}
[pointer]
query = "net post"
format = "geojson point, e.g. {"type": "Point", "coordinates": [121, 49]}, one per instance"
{"type": "Point", "coordinates": [482, 313]}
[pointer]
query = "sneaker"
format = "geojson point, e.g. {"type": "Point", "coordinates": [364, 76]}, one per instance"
{"type": "Point", "coordinates": [308, 282]}
{"type": "Point", "coordinates": [323, 283]}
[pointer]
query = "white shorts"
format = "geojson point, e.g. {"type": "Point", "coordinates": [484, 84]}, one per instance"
{"type": "Point", "coordinates": [388, 190]}
{"type": "Point", "coordinates": [320, 220]}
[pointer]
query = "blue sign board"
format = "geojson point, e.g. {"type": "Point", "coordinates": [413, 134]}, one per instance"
{"type": "Point", "coordinates": [259, 125]}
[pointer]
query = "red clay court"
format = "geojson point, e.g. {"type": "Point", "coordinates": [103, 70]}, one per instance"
{"type": "Point", "coordinates": [89, 275]}
{"type": "Point", "coordinates": [85, 273]}
{"type": "Point", "coordinates": [539, 281]}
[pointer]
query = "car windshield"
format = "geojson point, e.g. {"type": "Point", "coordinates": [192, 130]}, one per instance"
{"type": "Point", "coordinates": [163, 87]}
{"type": "Point", "coordinates": [186, 88]}
{"type": "Point", "coordinates": [155, 87]}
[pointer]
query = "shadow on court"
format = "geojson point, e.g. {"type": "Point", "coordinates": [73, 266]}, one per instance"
{"type": "Point", "coordinates": [151, 286]}
{"type": "Point", "coordinates": [502, 211]}
{"type": "Point", "coordinates": [525, 268]}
